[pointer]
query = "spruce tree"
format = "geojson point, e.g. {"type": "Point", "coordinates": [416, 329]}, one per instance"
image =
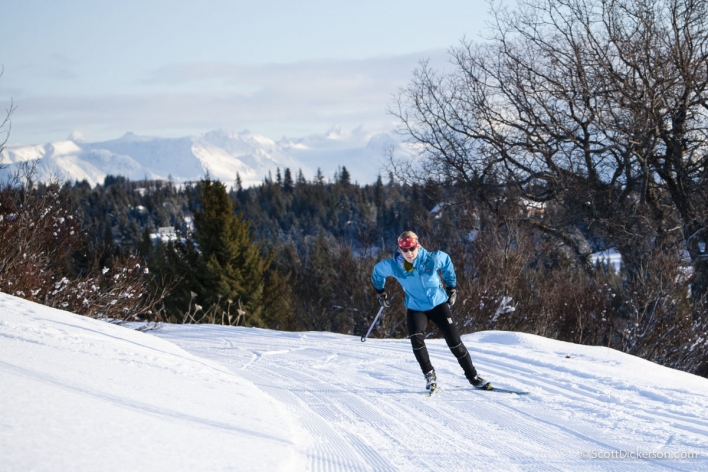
{"type": "Point", "coordinates": [229, 264]}
{"type": "Point", "coordinates": [287, 181]}
{"type": "Point", "coordinates": [344, 177]}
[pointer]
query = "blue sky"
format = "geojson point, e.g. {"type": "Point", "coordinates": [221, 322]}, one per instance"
{"type": "Point", "coordinates": [176, 68]}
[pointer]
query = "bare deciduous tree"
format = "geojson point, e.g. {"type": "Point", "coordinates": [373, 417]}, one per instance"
{"type": "Point", "coordinates": [596, 107]}
{"type": "Point", "coordinates": [41, 241]}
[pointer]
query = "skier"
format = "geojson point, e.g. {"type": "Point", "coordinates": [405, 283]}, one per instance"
{"type": "Point", "coordinates": [418, 272]}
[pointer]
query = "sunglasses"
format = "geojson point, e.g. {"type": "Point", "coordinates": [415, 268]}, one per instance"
{"type": "Point", "coordinates": [410, 249]}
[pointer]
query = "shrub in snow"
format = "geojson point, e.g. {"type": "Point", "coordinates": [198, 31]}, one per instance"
{"type": "Point", "coordinates": [45, 258]}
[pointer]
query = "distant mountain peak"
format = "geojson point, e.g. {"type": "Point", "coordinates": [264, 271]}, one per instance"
{"type": "Point", "coordinates": [76, 136]}
{"type": "Point", "coordinates": [221, 152]}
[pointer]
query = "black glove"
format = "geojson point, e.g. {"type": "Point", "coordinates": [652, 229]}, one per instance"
{"type": "Point", "coordinates": [452, 295]}
{"type": "Point", "coordinates": [383, 299]}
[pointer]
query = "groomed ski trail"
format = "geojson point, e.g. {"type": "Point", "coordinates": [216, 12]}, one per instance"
{"type": "Point", "coordinates": [364, 404]}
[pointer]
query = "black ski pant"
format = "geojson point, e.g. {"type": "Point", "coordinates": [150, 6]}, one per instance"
{"type": "Point", "coordinates": [442, 317]}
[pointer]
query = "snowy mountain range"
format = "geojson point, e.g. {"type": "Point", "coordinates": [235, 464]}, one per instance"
{"type": "Point", "coordinates": [221, 153]}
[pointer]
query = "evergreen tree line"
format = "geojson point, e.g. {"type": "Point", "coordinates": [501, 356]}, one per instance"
{"type": "Point", "coordinates": [300, 258]}
{"type": "Point", "coordinates": [297, 255]}
{"type": "Point", "coordinates": [280, 254]}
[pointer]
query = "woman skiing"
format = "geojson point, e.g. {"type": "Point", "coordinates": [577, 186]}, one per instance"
{"type": "Point", "coordinates": [418, 272]}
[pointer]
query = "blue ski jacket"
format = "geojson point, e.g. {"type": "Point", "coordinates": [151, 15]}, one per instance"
{"type": "Point", "coordinates": [423, 287]}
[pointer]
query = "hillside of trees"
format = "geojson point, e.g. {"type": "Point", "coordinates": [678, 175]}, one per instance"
{"type": "Point", "coordinates": [298, 256]}
{"type": "Point", "coordinates": [312, 241]}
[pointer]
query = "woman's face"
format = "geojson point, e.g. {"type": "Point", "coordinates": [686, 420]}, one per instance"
{"type": "Point", "coordinates": [409, 254]}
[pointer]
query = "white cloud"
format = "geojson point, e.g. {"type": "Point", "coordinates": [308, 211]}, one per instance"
{"type": "Point", "coordinates": [271, 99]}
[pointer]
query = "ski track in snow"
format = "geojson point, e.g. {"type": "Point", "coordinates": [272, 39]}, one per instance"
{"type": "Point", "coordinates": [365, 408]}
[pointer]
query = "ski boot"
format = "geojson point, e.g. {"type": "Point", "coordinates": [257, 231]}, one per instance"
{"type": "Point", "coordinates": [479, 382]}
{"type": "Point", "coordinates": [431, 382]}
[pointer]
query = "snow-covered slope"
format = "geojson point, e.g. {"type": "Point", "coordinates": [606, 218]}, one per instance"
{"type": "Point", "coordinates": [84, 395]}
{"type": "Point", "coordinates": [78, 394]}
{"type": "Point", "coordinates": [363, 403]}
{"type": "Point", "coordinates": [221, 153]}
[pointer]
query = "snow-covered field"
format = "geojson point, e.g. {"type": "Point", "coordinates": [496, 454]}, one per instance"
{"type": "Point", "coordinates": [79, 394]}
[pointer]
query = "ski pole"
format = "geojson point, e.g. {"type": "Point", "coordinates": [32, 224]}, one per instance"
{"type": "Point", "coordinates": [363, 338]}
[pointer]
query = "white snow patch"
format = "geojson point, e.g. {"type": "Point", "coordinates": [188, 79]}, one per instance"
{"type": "Point", "coordinates": [609, 258]}
{"type": "Point", "coordinates": [78, 394]}
{"type": "Point", "coordinates": [364, 405]}
{"type": "Point", "coordinates": [83, 395]}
